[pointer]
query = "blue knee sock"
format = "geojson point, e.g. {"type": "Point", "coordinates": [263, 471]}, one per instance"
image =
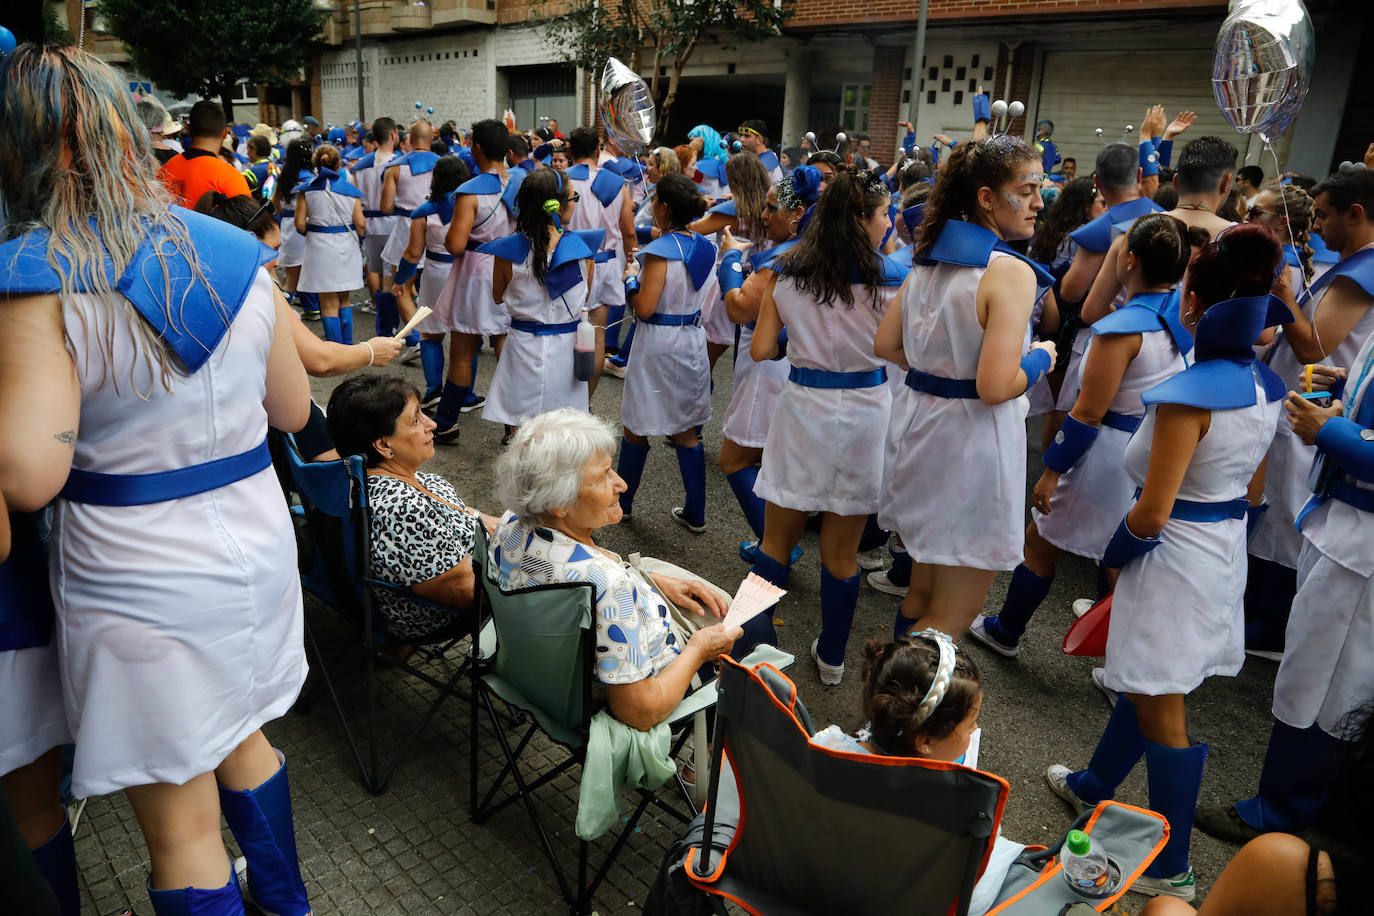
{"type": "Point", "coordinates": [873, 535]}
{"type": "Point", "coordinates": [691, 463]}
{"type": "Point", "coordinates": [196, 901]}
{"type": "Point", "coordinates": [838, 599]}
{"type": "Point", "coordinates": [631, 469]}
{"type": "Point", "coordinates": [333, 329]}
{"type": "Point", "coordinates": [261, 822]}
{"type": "Point", "coordinates": [760, 629]}
{"type": "Point", "coordinates": [1118, 751]}
{"type": "Point", "coordinates": [900, 572]}
{"type": "Point", "coordinates": [742, 483]}
{"type": "Point", "coordinates": [901, 624]}
{"type": "Point", "coordinates": [1300, 765]}
{"type": "Point", "coordinates": [623, 357]}
{"type": "Point", "coordinates": [56, 860]}
{"type": "Point", "coordinates": [346, 325]}
{"type": "Point", "coordinates": [432, 362]}
{"type": "Point", "coordinates": [1025, 593]}
{"type": "Point", "coordinates": [1175, 775]}
{"type": "Point", "coordinates": [615, 314]}
{"type": "Point", "coordinates": [309, 302]}
{"type": "Point", "coordinates": [450, 403]}
{"type": "Point", "coordinates": [472, 396]}
{"type": "Point", "coordinates": [388, 318]}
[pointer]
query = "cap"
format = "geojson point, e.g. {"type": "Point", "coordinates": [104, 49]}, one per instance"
{"type": "Point", "coordinates": [311, 121]}
{"type": "Point", "coordinates": [1078, 843]}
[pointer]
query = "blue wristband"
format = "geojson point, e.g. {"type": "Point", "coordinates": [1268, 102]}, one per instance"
{"type": "Point", "coordinates": [632, 285]}
{"type": "Point", "coordinates": [1126, 545]}
{"type": "Point", "coordinates": [730, 273]}
{"type": "Point", "coordinates": [982, 108]}
{"type": "Point", "coordinates": [644, 234]}
{"type": "Point", "coordinates": [1254, 516]}
{"type": "Point", "coordinates": [1035, 364]}
{"type": "Point", "coordinates": [1149, 159]}
{"type": "Point", "coordinates": [405, 270]}
{"type": "Point", "coordinates": [1165, 149]}
{"type": "Point", "coordinates": [1071, 442]}
{"type": "Point", "coordinates": [782, 345]}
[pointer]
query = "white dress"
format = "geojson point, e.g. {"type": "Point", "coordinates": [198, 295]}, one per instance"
{"type": "Point", "coordinates": [757, 389]}
{"type": "Point", "coordinates": [607, 286]}
{"type": "Point", "coordinates": [957, 491]}
{"type": "Point", "coordinates": [333, 262]}
{"type": "Point", "coordinates": [1094, 494]}
{"type": "Point", "coordinates": [179, 623]}
{"type": "Point", "coordinates": [369, 181]}
{"type": "Point", "coordinates": [437, 261]}
{"type": "Point", "coordinates": [411, 191]}
{"type": "Point", "coordinates": [292, 250]}
{"type": "Point", "coordinates": [465, 304]}
{"type": "Point", "coordinates": [1178, 615]}
{"type": "Point", "coordinates": [1328, 660]}
{"type": "Point", "coordinates": [535, 372]}
{"type": "Point", "coordinates": [824, 451]}
{"type": "Point", "coordinates": [667, 382]}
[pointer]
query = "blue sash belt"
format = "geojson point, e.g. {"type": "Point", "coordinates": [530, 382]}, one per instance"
{"type": "Point", "coordinates": [286, 212]}
{"type": "Point", "coordinates": [375, 214]}
{"type": "Point", "coordinates": [540, 329]}
{"type": "Point", "coordinates": [940, 386]}
{"type": "Point", "coordinates": [96, 489]}
{"type": "Point", "coordinates": [438, 257]}
{"type": "Point", "coordinates": [329, 230]}
{"type": "Point", "coordinates": [1187, 510]}
{"type": "Point", "coordinates": [1121, 421]}
{"type": "Point", "coordinates": [674, 321]}
{"type": "Point", "coordinates": [397, 211]}
{"type": "Point", "coordinates": [822, 378]}
{"type": "Point", "coordinates": [1352, 495]}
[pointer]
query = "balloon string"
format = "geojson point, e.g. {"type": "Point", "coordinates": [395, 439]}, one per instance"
{"type": "Point", "coordinates": [1292, 240]}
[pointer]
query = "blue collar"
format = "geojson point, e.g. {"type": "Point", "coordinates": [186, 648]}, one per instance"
{"type": "Point", "coordinates": [971, 245]}
{"type": "Point", "coordinates": [490, 183]}
{"type": "Point", "coordinates": [912, 216]}
{"type": "Point", "coordinates": [1096, 234]}
{"type": "Point", "coordinates": [1225, 371]}
{"type": "Point", "coordinates": [769, 159]}
{"type": "Point", "coordinates": [419, 161]}
{"type": "Point", "coordinates": [329, 180]}
{"type": "Point", "coordinates": [1320, 253]}
{"type": "Point", "coordinates": [725, 208]}
{"type": "Point", "coordinates": [1359, 267]}
{"type": "Point", "coordinates": [1146, 313]}
{"type": "Point", "coordinates": [691, 249]}
{"type": "Point", "coordinates": [763, 260]}
{"type": "Point", "coordinates": [564, 271]}
{"type": "Point", "coordinates": [712, 168]}
{"type": "Point", "coordinates": [579, 172]}
{"type": "Point", "coordinates": [443, 208]}
{"type": "Point", "coordinates": [1291, 256]}
{"type": "Point", "coordinates": [627, 168]}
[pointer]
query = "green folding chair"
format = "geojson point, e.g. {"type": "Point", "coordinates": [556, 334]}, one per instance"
{"type": "Point", "coordinates": [543, 665]}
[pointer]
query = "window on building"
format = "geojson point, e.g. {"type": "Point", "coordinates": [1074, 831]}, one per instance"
{"type": "Point", "coordinates": [854, 106]}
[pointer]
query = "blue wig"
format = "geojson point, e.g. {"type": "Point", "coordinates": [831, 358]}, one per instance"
{"type": "Point", "coordinates": [713, 144]}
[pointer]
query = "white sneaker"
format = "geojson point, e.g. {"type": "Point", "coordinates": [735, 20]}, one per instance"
{"type": "Point", "coordinates": [614, 369]}
{"type": "Point", "coordinates": [978, 630]}
{"type": "Point", "coordinates": [411, 356]}
{"type": "Point", "coordinates": [1182, 885]}
{"type": "Point", "coordinates": [1057, 776]}
{"type": "Point", "coordinates": [882, 583]}
{"type": "Point", "coordinates": [1266, 654]}
{"type": "Point", "coordinates": [831, 675]}
{"type": "Point", "coordinates": [1081, 606]}
{"type": "Point", "coordinates": [1109, 693]}
{"type": "Point", "coordinates": [872, 559]}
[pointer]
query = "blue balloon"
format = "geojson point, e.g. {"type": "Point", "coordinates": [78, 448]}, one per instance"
{"type": "Point", "coordinates": [7, 42]}
{"type": "Point", "coordinates": [429, 110]}
{"type": "Point", "coordinates": [418, 106]}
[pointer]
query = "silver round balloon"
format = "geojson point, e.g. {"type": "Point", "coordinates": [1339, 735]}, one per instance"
{"type": "Point", "coordinates": [627, 108]}
{"type": "Point", "coordinates": [1263, 65]}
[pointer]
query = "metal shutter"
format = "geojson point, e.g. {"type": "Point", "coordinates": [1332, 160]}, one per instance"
{"type": "Point", "coordinates": [1084, 90]}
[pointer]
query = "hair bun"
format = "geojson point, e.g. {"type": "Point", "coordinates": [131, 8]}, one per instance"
{"type": "Point", "coordinates": [552, 206]}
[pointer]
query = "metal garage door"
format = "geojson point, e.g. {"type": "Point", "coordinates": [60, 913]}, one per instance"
{"type": "Point", "coordinates": [1083, 90]}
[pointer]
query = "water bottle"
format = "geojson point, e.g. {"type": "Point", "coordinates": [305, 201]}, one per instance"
{"type": "Point", "coordinates": [1085, 868]}
{"type": "Point", "coordinates": [584, 349]}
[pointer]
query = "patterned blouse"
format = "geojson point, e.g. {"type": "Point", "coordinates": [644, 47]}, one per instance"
{"type": "Point", "coordinates": [633, 638]}
{"type": "Point", "coordinates": [415, 538]}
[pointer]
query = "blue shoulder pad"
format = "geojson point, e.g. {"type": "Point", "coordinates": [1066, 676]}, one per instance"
{"type": "Point", "coordinates": [342, 186]}
{"type": "Point", "coordinates": [725, 208]}
{"type": "Point", "coordinates": [365, 163]}
{"type": "Point", "coordinates": [768, 158]}
{"type": "Point", "coordinates": [485, 183]}
{"type": "Point", "coordinates": [627, 168]}
{"type": "Point", "coordinates": [421, 161]}
{"type": "Point", "coordinates": [606, 187]}
{"type": "Point", "coordinates": [1217, 384]}
{"type": "Point", "coordinates": [514, 178]}
{"type": "Point", "coordinates": [425, 209]}
{"type": "Point", "coordinates": [692, 249]}
{"type": "Point", "coordinates": [712, 168]}
{"type": "Point", "coordinates": [591, 239]}
{"type": "Point", "coordinates": [912, 216]}
{"type": "Point", "coordinates": [1320, 253]}
{"type": "Point", "coordinates": [1290, 256]}
{"type": "Point", "coordinates": [565, 269]}
{"type": "Point", "coordinates": [579, 172]}
{"type": "Point", "coordinates": [891, 271]}
{"type": "Point", "coordinates": [1096, 234]}
{"type": "Point", "coordinates": [763, 260]}
{"type": "Point", "coordinates": [904, 255]}
{"type": "Point", "coordinates": [971, 245]}
{"type": "Point", "coordinates": [398, 159]}
{"type": "Point", "coordinates": [514, 248]}
{"type": "Point", "coordinates": [1359, 267]}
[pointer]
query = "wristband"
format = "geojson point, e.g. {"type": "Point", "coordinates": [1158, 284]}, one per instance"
{"type": "Point", "coordinates": [405, 270]}
{"type": "Point", "coordinates": [632, 284]}
{"type": "Point", "coordinates": [982, 108]}
{"type": "Point", "coordinates": [1035, 364]}
{"type": "Point", "coordinates": [1073, 439]}
{"type": "Point", "coordinates": [1165, 149]}
{"type": "Point", "coordinates": [1149, 159]}
{"type": "Point", "coordinates": [1126, 545]}
{"type": "Point", "coordinates": [730, 274]}
{"type": "Point", "coordinates": [371, 353]}
{"type": "Point", "coordinates": [644, 234]}
{"type": "Point", "coordinates": [782, 345]}
{"type": "Point", "coordinates": [1254, 515]}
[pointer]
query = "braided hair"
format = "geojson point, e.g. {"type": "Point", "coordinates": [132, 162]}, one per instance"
{"type": "Point", "coordinates": [897, 676]}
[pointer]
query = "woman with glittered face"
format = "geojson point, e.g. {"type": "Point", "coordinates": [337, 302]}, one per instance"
{"type": "Point", "coordinates": [956, 473]}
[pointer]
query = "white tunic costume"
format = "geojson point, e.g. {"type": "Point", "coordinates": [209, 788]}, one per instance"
{"type": "Point", "coordinates": [465, 304]}
{"type": "Point", "coordinates": [757, 385]}
{"type": "Point", "coordinates": [292, 250]}
{"type": "Point", "coordinates": [367, 175]}
{"type": "Point", "coordinates": [667, 382]}
{"type": "Point", "coordinates": [436, 260]}
{"type": "Point", "coordinates": [824, 451]}
{"type": "Point", "coordinates": [179, 623]}
{"type": "Point", "coordinates": [601, 193]}
{"type": "Point", "coordinates": [333, 261]}
{"type": "Point", "coordinates": [414, 172]}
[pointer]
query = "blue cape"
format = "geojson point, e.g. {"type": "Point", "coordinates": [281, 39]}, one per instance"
{"type": "Point", "coordinates": [1224, 374]}
{"type": "Point", "coordinates": [365, 163]}
{"type": "Point", "coordinates": [627, 168]}
{"type": "Point", "coordinates": [763, 260]}
{"type": "Point", "coordinates": [490, 183]}
{"type": "Point", "coordinates": [1320, 253]}
{"type": "Point", "coordinates": [444, 208]}
{"type": "Point", "coordinates": [971, 245]}
{"type": "Point", "coordinates": [912, 216]}
{"type": "Point", "coordinates": [420, 161]}
{"type": "Point", "coordinates": [1096, 234]}
{"type": "Point", "coordinates": [725, 207]}
{"type": "Point", "coordinates": [192, 324]}
{"type": "Point", "coordinates": [712, 168]}
{"type": "Point", "coordinates": [1359, 267]}
{"type": "Point", "coordinates": [1149, 312]}
{"type": "Point", "coordinates": [564, 272]}
{"type": "Point", "coordinates": [690, 248]}
{"type": "Point", "coordinates": [606, 186]}
{"type": "Point", "coordinates": [328, 179]}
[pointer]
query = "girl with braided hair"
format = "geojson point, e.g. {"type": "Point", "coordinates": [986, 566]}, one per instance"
{"type": "Point", "coordinates": [1287, 211]}
{"type": "Point", "coordinates": [541, 275]}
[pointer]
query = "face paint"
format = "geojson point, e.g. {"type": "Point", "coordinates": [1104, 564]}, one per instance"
{"type": "Point", "coordinates": [1030, 178]}
{"type": "Point", "coordinates": [1013, 202]}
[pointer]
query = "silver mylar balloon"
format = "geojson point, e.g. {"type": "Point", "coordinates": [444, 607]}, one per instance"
{"type": "Point", "coordinates": [627, 108]}
{"type": "Point", "coordinates": [1263, 65]}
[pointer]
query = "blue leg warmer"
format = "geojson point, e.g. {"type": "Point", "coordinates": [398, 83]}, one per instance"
{"type": "Point", "coordinates": [615, 314]}
{"type": "Point", "coordinates": [631, 469]}
{"type": "Point", "coordinates": [742, 484]}
{"type": "Point", "coordinates": [1024, 594]}
{"type": "Point", "coordinates": [900, 572]}
{"type": "Point", "coordinates": [1299, 766]}
{"type": "Point", "coordinates": [261, 822]}
{"type": "Point", "coordinates": [56, 859]}
{"type": "Point", "coordinates": [451, 403]}
{"type": "Point", "coordinates": [432, 362]}
{"type": "Point", "coordinates": [691, 462]}
{"type": "Point", "coordinates": [309, 302]}
{"type": "Point", "coordinates": [1175, 775]}
{"type": "Point", "coordinates": [759, 629]}
{"type": "Point", "coordinates": [388, 318]}
{"type": "Point", "coordinates": [838, 600]}
{"type": "Point", "coordinates": [1118, 751]}
{"type": "Point", "coordinates": [195, 901]}
{"type": "Point", "coordinates": [346, 325]}
{"type": "Point", "coordinates": [333, 331]}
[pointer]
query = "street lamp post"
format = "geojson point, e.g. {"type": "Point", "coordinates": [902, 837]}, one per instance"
{"type": "Point", "coordinates": [358, 54]}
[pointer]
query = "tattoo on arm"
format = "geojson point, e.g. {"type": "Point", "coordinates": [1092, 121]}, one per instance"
{"type": "Point", "coordinates": [68, 438]}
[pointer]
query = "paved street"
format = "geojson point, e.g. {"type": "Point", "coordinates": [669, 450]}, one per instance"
{"type": "Point", "coordinates": [413, 851]}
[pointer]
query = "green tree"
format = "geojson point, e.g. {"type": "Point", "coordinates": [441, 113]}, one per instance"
{"type": "Point", "coordinates": [205, 47]}
{"type": "Point", "coordinates": [650, 35]}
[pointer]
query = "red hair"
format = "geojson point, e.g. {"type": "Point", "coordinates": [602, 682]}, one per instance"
{"type": "Point", "coordinates": [1241, 261]}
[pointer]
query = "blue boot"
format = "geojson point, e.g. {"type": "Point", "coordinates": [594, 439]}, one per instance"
{"type": "Point", "coordinates": [56, 859]}
{"type": "Point", "coordinates": [838, 600]}
{"type": "Point", "coordinates": [742, 485]}
{"type": "Point", "coordinates": [261, 823]}
{"type": "Point", "coordinates": [900, 571]}
{"type": "Point", "coordinates": [691, 463]}
{"type": "Point", "coordinates": [1299, 766]}
{"type": "Point", "coordinates": [1024, 594]}
{"type": "Point", "coordinates": [760, 629]}
{"type": "Point", "coordinates": [631, 469]}
{"type": "Point", "coordinates": [195, 901]}
{"type": "Point", "coordinates": [388, 317]}
{"type": "Point", "coordinates": [346, 325]}
{"type": "Point", "coordinates": [449, 409]}
{"type": "Point", "coordinates": [623, 357]}
{"type": "Point", "coordinates": [333, 330]}
{"type": "Point", "coordinates": [432, 362]}
{"type": "Point", "coordinates": [1118, 751]}
{"type": "Point", "coordinates": [615, 314]}
{"type": "Point", "coordinates": [1175, 775]}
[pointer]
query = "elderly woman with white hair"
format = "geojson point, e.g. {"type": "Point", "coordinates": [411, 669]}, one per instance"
{"type": "Point", "coordinates": [559, 483]}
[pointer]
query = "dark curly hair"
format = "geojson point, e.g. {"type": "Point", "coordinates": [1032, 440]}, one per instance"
{"type": "Point", "coordinates": [1063, 216]}
{"type": "Point", "coordinates": [976, 164]}
{"type": "Point", "coordinates": [819, 264]}
{"type": "Point", "coordinates": [363, 409]}
{"type": "Point", "coordinates": [896, 676]}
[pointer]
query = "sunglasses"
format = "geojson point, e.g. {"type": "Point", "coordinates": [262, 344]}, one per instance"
{"type": "Point", "coordinates": [1255, 213]}
{"type": "Point", "coordinates": [750, 131]}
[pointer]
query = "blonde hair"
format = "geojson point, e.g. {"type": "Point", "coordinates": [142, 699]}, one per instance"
{"type": "Point", "coordinates": [666, 160]}
{"type": "Point", "coordinates": [76, 161]}
{"type": "Point", "coordinates": [326, 156]}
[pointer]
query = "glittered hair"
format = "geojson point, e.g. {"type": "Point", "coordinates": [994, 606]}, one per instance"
{"type": "Point", "coordinates": [975, 164]}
